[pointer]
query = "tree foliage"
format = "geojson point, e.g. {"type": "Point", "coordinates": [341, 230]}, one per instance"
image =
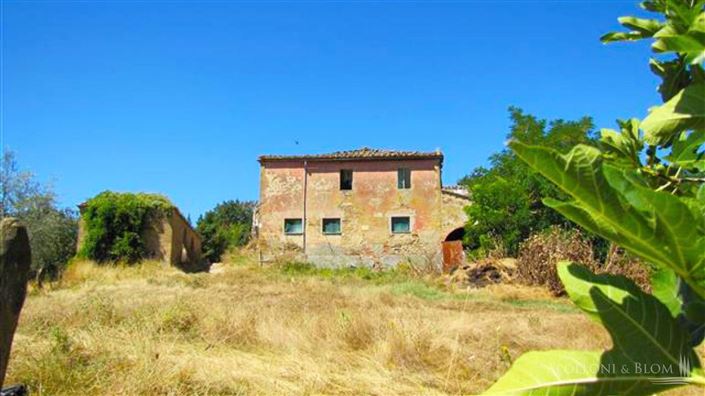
{"type": "Point", "coordinates": [643, 189]}
{"type": "Point", "coordinates": [52, 230]}
{"type": "Point", "coordinates": [114, 224]}
{"type": "Point", "coordinates": [506, 197]}
{"type": "Point", "coordinates": [227, 225]}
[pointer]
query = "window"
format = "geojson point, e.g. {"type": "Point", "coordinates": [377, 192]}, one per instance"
{"type": "Point", "coordinates": [331, 226]}
{"type": "Point", "coordinates": [403, 178]}
{"type": "Point", "coordinates": [401, 225]}
{"type": "Point", "coordinates": [293, 227]}
{"type": "Point", "coordinates": [346, 177]}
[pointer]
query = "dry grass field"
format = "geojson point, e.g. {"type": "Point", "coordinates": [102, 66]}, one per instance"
{"type": "Point", "coordinates": [287, 330]}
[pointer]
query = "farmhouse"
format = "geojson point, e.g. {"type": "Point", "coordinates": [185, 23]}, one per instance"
{"type": "Point", "coordinates": [364, 207]}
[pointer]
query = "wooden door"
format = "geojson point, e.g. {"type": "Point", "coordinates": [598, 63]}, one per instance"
{"type": "Point", "coordinates": [453, 255]}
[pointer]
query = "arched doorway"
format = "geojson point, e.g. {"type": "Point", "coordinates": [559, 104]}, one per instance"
{"type": "Point", "coordinates": [456, 235]}
{"type": "Point", "coordinates": [453, 252]}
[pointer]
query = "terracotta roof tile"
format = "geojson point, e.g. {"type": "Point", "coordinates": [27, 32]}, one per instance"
{"type": "Point", "coordinates": [364, 153]}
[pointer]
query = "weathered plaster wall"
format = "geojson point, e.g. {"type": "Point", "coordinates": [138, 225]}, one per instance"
{"type": "Point", "coordinates": [365, 211]}
{"type": "Point", "coordinates": [453, 215]}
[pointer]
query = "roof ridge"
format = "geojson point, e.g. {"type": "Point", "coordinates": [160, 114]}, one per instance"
{"type": "Point", "coordinates": [364, 153]}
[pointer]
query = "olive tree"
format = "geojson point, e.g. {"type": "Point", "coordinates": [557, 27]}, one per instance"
{"type": "Point", "coordinates": [52, 230]}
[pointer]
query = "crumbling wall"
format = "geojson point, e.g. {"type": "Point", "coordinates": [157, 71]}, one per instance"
{"type": "Point", "coordinates": [185, 244]}
{"type": "Point", "coordinates": [281, 197]}
{"type": "Point", "coordinates": [155, 238]}
{"type": "Point", "coordinates": [453, 213]}
{"type": "Point", "coordinates": [171, 239]}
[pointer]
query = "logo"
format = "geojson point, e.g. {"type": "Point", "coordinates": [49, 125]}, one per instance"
{"type": "Point", "coordinates": [684, 369]}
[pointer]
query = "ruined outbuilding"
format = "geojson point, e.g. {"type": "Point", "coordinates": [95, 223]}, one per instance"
{"type": "Point", "coordinates": [167, 237]}
{"type": "Point", "coordinates": [365, 207]}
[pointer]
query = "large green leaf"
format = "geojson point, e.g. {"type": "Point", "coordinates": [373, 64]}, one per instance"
{"type": "Point", "coordinates": [658, 227]}
{"type": "Point", "coordinates": [686, 152]}
{"type": "Point", "coordinates": [624, 146]}
{"type": "Point", "coordinates": [650, 353]}
{"type": "Point", "coordinates": [693, 313]}
{"type": "Point", "coordinates": [622, 36]}
{"type": "Point", "coordinates": [687, 306]}
{"type": "Point", "coordinates": [690, 45]}
{"type": "Point", "coordinates": [684, 111]}
{"type": "Point", "coordinates": [644, 332]}
{"type": "Point", "coordinates": [641, 29]}
{"type": "Point", "coordinates": [646, 26]}
{"type": "Point", "coordinates": [674, 76]}
{"type": "Point", "coordinates": [664, 286]}
{"type": "Point", "coordinates": [552, 372]}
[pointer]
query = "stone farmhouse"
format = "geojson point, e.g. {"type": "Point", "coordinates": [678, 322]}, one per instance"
{"type": "Point", "coordinates": [364, 207]}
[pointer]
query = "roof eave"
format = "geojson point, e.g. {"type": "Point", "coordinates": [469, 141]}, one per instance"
{"type": "Point", "coordinates": [262, 159]}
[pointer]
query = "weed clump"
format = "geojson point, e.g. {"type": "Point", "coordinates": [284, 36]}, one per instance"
{"type": "Point", "coordinates": [539, 254]}
{"type": "Point", "coordinates": [180, 318]}
{"type": "Point", "coordinates": [357, 332]}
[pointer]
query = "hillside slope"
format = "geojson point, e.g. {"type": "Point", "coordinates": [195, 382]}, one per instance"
{"type": "Point", "coordinates": [250, 330]}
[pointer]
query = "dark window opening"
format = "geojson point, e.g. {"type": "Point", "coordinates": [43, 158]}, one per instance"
{"type": "Point", "coordinates": [403, 178]}
{"type": "Point", "coordinates": [331, 226]}
{"type": "Point", "coordinates": [346, 179]}
{"type": "Point", "coordinates": [401, 225]}
{"type": "Point", "coordinates": [293, 227]}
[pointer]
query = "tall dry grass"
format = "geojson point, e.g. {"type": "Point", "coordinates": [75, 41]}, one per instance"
{"type": "Point", "coordinates": [152, 330]}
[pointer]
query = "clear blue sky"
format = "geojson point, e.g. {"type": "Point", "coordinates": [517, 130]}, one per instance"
{"type": "Point", "coordinates": [181, 97]}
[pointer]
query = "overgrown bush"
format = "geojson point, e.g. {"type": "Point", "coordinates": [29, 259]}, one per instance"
{"type": "Point", "coordinates": [620, 262]}
{"type": "Point", "coordinates": [540, 254]}
{"type": "Point", "coordinates": [227, 225]}
{"type": "Point", "coordinates": [114, 224]}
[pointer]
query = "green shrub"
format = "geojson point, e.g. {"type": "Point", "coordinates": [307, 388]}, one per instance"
{"type": "Point", "coordinates": [227, 225]}
{"type": "Point", "coordinates": [114, 224]}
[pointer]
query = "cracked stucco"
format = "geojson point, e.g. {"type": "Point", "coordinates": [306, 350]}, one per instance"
{"type": "Point", "coordinates": [365, 212]}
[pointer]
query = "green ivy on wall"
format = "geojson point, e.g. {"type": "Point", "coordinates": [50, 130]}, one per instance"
{"type": "Point", "coordinates": [113, 224]}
